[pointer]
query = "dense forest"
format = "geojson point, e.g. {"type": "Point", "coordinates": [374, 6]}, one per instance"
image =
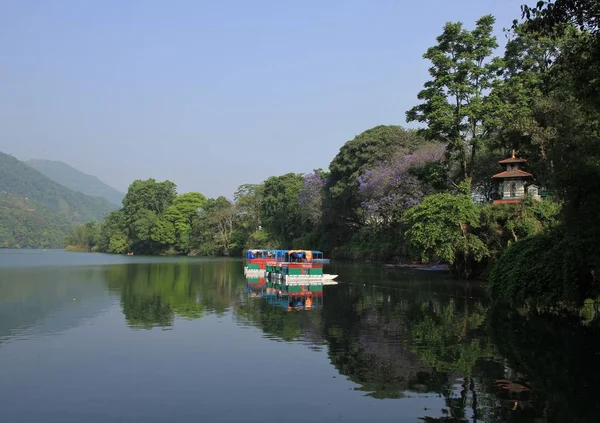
{"type": "Point", "coordinates": [392, 193]}
{"type": "Point", "coordinates": [36, 212]}
{"type": "Point", "coordinates": [24, 224]}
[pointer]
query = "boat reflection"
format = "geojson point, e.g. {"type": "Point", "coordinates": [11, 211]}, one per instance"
{"type": "Point", "coordinates": [291, 297]}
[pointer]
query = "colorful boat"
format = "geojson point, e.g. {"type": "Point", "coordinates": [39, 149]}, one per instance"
{"type": "Point", "coordinates": [255, 260]}
{"type": "Point", "coordinates": [298, 267]}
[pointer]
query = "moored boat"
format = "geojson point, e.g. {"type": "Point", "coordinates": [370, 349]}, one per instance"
{"type": "Point", "coordinates": [255, 260]}
{"type": "Point", "coordinates": [299, 266]}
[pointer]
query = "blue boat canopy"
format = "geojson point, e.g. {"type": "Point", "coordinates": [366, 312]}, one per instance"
{"type": "Point", "coordinates": [265, 253]}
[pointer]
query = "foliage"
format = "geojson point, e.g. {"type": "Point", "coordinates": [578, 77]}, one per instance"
{"type": "Point", "coordinates": [503, 224]}
{"type": "Point", "coordinates": [19, 180]}
{"type": "Point", "coordinates": [84, 237]}
{"type": "Point", "coordinates": [441, 227]}
{"type": "Point", "coordinates": [312, 196]}
{"type": "Point", "coordinates": [531, 107]}
{"type": "Point", "coordinates": [540, 272]}
{"type": "Point", "coordinates": [372, 243]}
{"type": "Point", "coordinates": [148, 195]}
{"type": "Point", "coordinates": [354, 158]}
{"type": "Point", "coordinates": [555, 118]}
{"type": "Point", "coordinates": [248, 199]}
{"type": "Point", "coordinates": [113, 235]}
{"type": "Point", "coordinates": [76, 180]}
{"type": "Point", "coordinates": [213, 230]}
{"type": "Point", "coordinates": [36, 212]}
{"type": "Point", "coordinates": [391, 191]}
{"type": "Point", "coordinates": [263, 238]}
{"type": "Point", "coordinates": [26, 224]}
{"type": "Point", "coordinates": [175, 225]}
{"type": "Point", "coordinates": [280, 206]}
{"type": "Point", "coordinates": [454, 102]}
{"type": "Point", "coordinates": [401, 182]}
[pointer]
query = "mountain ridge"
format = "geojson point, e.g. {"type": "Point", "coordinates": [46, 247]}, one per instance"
{"type": "Point", "coordinates": [22, 180]}
{"type": "Point", "coordinates": [36, 211]}
{"type": "Point", "coordinates": [76, 180]}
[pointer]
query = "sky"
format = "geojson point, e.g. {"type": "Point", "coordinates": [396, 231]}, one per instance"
{"type": "Point", "coordinates": [213, 94]}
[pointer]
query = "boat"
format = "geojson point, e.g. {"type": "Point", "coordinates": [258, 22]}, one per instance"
{"type": "Point", "coordinates": [298, 267]}
{"type": "Point", "coordinates": [255, 260]}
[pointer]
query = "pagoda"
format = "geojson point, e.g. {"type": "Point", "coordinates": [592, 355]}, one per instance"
{"type": "Point", "coordinates": [513, 181]}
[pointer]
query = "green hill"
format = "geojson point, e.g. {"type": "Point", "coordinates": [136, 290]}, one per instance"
{"type": "Point", "coordinates": [20, 180]}
{"type": "Point", "coordinates": [76, 180]}
{"type": "Point", "coordinates": [26, 224]}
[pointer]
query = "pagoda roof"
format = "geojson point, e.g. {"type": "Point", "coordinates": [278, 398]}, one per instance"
{"type": "Point", "coordinates": [513, 174]}
{"type": "Point", "coordinates": [513, 160]}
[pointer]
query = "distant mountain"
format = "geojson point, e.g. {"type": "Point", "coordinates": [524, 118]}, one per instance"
{"type": "Point", "coordinates": [76, 180]}
{"type": "Point", "coordinates": [20, 180]}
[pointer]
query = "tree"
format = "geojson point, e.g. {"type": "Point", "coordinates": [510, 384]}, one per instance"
{"type": "Point", "coordinates": [354, 158]}
{"type": "Point", "coordinates": [529, 110]}
{"type": "Point", "coordinates": [248, 219]}
{"type": "Point", "coordinates": [441, 227]}
{"type": "Point", "coordinates": [84, 236]}
{"type": "Point", "coordinates": [212, 232]}
{"type": "Point", "coordinates": [143, 205]}
{"type": "Point", "coordinates": [400, 182]}
{"type": "Point", "coordinates": [574, 117]}
{"type": "Point", "coordinates": [553, 18]}
{"type": "Point", "coordinates": [247, 199]}
{"type": "Point", "coordinates": [546, 15]}
{"type": "Point", "coordinates": [312, 197]}
{"type": "Point", "coordinates": [280, 208]}
{"type": "Point", "coordinates": [175, 224]}
{"type": "Point", "coordinates": [113, 233]}
{"type": "Point", "coordinates": [149, 195]}
{"type": "Point", "coordinates": [455, 104]}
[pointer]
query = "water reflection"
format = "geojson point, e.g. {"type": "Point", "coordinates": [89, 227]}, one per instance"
{"type": "Point", "coordinates": [153, 294]}
{"type": "Point", "coordinates": [416, 339]}
{"type": "Point", "coordinates": [43, 301]}
{"type": "Point", "coordinates": [284, 313]}
{"type": "Point", "coordinates": [556, 358]}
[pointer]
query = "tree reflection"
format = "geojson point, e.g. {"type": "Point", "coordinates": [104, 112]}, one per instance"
{"type": "Point", "coordinates": [447, 338]}
{"type": "Point", "coordinates": [279, 324]}
{"type": "Point", "coordinates": [369, 336]}
{"type": "Point", "coordinates": [275, 321]}
{"type": "Point", "coordinates": [486, 365]}
{"type": "Point", "coordinates": [555, 355]}
{"type": "Point", "coordinates": [153, 294]}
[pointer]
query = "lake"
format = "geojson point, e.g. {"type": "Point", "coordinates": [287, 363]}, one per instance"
{"type": "Point", "coordinates": [102, 338]}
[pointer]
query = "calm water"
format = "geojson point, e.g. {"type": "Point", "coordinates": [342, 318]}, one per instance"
{"type": "Point", "coordinates": [98, 338]}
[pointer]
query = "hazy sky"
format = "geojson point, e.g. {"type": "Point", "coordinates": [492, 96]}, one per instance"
{"type": "Point", "coordinates": [212, 94]}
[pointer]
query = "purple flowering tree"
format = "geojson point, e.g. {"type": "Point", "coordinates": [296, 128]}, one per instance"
{"type": "Point", "coordinates": [311, 197]}
{"type": "Point", "coordinates": [398, 183]}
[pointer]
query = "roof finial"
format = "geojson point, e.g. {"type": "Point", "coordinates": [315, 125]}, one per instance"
{"type": "Point", "coordinates": [513, 156]}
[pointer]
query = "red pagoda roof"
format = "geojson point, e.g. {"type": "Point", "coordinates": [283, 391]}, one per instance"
{"type": "Point", "coordinates": [513, 174]}
{"type": "Point", "coordinates": [513, 160]}
{"type": "Point", "coordinates": [508, 201]}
